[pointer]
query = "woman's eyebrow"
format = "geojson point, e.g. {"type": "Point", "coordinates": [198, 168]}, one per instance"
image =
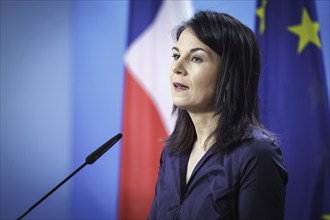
{"type": "Point", "coordinates": [175, 48]}
{"type": "Point", "coordinates": [191, 50]}
{"type": "Point", "coordinates": [197, 48]}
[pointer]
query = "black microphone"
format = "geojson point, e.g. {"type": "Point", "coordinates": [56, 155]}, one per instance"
{"type": "Point", "coordinates": [89, 160]}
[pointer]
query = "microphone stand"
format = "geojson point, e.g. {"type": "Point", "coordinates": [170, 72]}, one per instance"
{"type": "Point", "coordinates": [53, 190]}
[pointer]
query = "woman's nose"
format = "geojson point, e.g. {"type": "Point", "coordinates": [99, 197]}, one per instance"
{"type": "Point", "coordinates": [178, 67]}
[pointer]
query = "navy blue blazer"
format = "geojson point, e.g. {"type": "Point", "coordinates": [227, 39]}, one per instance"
{"type": "Point", "coordinates": [247, 182]}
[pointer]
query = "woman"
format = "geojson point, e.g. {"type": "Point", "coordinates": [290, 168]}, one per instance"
{"type": "Point", "coordinates": [219, 162]}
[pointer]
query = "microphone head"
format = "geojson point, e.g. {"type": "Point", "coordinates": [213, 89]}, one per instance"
{"type": "Point", "coordinates": [104, 148]}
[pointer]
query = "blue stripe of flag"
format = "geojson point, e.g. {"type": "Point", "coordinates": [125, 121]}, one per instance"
{"type": "Point", "coordinates": [142, 14]}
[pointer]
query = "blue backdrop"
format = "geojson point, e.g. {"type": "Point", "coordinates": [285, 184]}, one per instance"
{"type": "Point", "coordinates": [61, 97]}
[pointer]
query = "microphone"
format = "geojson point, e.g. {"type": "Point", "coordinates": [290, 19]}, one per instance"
{"type": "Point", "coordinates": [90, 159]}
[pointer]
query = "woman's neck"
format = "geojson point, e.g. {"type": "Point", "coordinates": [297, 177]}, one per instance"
{"type": "Point", "coordinates": [205, 124]}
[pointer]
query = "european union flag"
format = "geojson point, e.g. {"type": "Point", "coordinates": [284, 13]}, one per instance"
{"type": "Point", "coordinates": [294, 103]}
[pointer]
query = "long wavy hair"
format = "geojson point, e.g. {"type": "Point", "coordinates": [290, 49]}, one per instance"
{"type": "Point", "coordinates": [236, 95]}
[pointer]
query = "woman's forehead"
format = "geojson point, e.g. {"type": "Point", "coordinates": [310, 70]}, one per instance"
{"type": "Point", "coordinates": [188, 39]}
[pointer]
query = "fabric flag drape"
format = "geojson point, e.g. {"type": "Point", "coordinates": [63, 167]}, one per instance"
{"type": "Point", "coordinates": [147, 101]}
{"type": "Point", "coordinates": [294, 103]}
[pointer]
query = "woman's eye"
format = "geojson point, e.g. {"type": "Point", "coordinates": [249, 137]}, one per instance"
{"type": "Point", "coordinates": [196, 60]}
{"type": "Point", "coordinates": [175, 56]}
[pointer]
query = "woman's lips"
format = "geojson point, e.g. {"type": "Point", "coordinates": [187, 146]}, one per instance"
{"type": "Point", "coordinates": [180, 87]}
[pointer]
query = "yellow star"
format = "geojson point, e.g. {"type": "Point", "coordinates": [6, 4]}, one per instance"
{"type": "Point", "coordinates": [261, 13]}
{"type": "Point", "coordinates": [326, 217]}
{"type": "Point", "coordinates": [307, 31]}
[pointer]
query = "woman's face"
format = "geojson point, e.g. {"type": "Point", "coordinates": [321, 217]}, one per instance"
{"type": "Point", "coordinates": [193, 74]}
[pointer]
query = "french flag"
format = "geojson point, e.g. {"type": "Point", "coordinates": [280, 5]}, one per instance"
{"type": "Point", "coordinates": [147, 100]}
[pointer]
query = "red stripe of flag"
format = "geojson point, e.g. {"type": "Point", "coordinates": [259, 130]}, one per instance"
{"type": "Point", "coordinates": [141, 148]}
